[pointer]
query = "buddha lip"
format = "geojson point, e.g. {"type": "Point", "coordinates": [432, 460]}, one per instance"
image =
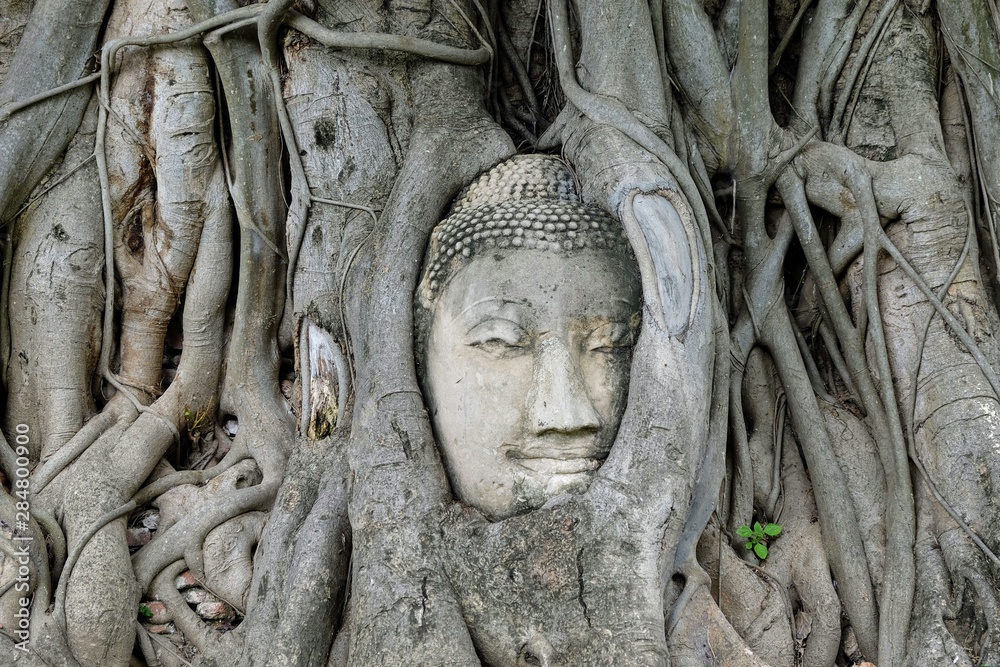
{"type": "Point", "coordinates": [560, 465]}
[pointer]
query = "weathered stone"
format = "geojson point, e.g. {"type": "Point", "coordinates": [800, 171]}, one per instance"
{"type": "Point", "coordinates": [185, 580]}
{"type": "Point", "coordinates": [158, 613]}
{"type": "Point", "coordinates": [161, 628]}
{"type": "Point", "coordinates": [215, 611]}
{"type": "Point", "coordinates": [137, 537]}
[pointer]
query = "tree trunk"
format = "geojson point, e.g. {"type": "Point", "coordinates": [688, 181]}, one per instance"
{"type": "Point", "coordinates": [230, 241]}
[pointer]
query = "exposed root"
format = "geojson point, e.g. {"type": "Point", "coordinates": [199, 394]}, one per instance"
{"type": "Point", "coordinates": [74, 555]}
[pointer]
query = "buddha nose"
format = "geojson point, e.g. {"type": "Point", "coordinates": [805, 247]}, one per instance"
{"type": "Point", "coordinates": [558, 401]}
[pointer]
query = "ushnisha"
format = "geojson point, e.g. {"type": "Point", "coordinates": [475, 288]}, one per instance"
{"type": "Point", "coordinates": [529, 201]}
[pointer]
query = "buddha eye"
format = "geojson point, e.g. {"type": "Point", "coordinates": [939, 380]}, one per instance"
{"type": "Point", "coordinates": [498, 337]}
{"type": "Point", "coordinates": [610, 338]}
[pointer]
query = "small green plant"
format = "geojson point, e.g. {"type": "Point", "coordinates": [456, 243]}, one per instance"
{"type": "Point", "coordinates": [756, 537]}
{"type": "Point", "coordinates": [145, 611]}
{"type": "Point", "coordinates": [195, 420]}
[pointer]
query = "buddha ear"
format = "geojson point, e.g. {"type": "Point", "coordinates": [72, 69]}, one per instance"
{"type": "Point", "coordinates": [667, 251]}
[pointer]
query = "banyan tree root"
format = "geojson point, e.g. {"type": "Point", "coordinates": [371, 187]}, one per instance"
{"type": "Point", "coordinates": [163, 169]}
{"type": "Point", "coordinates": [54, 300]}
{"type": "Point", "coordinates": [58, 40]}
{"type": "Point", "coordinates": [797, 564]}
{"type": "Point", "coordinates": [705, 637]}
{"type": "Point", "coordinates": [905, 210]}
{"type": "Point", "coordinates": [391, 447]}
{"type": "Point", "coordinates": [927, 362]}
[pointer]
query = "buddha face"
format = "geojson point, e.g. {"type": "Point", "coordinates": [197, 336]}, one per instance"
{"type": "Point", "coordinates": [526, 369]}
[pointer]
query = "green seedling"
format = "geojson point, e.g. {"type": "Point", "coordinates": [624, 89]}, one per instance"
{"type": "Point", "coordinates": [757, 536]}
{"type": "Point", "coordinates": [195, 420]}
{"type": "Point", "coordinates": [145, 611]}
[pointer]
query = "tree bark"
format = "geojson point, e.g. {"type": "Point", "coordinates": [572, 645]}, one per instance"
{"type": "Point", "coordinates": [216, 445]}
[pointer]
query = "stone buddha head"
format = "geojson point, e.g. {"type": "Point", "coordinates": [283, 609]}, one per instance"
{"type": "Point", "coordinates": [527, 312]}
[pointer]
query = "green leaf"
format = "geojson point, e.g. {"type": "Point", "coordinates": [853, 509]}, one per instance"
{"type": "Point", "coordinates": [749, 545]}
{"type": "Point", "coordinates": [760, 550]}
{"type": "Point", "coordinates": [145, 611]}
{"type": "Point", "coordinates": [757, 528]}
{"type": "Point", "coordinates": [744, 531]}
{"type": "Point", "coordinates": [772, 529]}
